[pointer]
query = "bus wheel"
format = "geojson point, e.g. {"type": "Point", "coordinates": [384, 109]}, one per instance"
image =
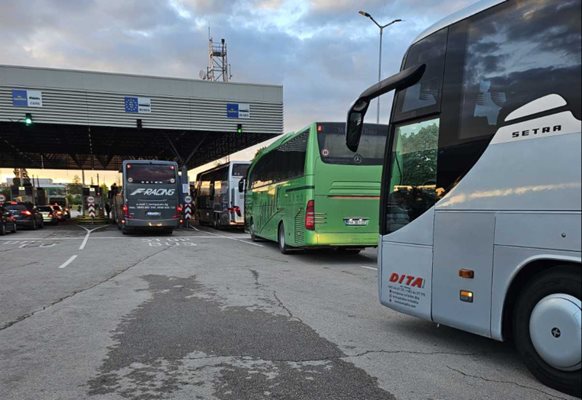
{"type": "Point", "coordinates": [281, 240]}
{"type": "Point", "coordinates": [2, 229]}
{"type": "Point", "coordinates": [124, 230]}
{"type": "Point", "coordinates": [547, 328]}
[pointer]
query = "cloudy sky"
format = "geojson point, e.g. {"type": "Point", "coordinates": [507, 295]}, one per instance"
{"type": "Point", "coordinates": [322, 51]}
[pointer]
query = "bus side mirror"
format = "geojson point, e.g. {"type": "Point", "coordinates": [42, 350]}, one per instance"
{"type": "Point", "coordinates": [241, 185]}
{"type": "Point", "coordinates": [355, 119]}
{"type": "Point", "coordinates": [355, 123]}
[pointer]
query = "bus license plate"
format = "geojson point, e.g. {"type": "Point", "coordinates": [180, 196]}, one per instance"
{"type": "Point", "coordinates": [154, 213]}
{"type": "Point", "coordinates": [356, 221]}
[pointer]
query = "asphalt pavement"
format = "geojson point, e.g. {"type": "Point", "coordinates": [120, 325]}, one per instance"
{"type": "Point", "coordinates": [88, 313]}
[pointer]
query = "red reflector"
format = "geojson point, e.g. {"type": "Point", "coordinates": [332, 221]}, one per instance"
{"type": "Point", "coordinates": [310, 215]}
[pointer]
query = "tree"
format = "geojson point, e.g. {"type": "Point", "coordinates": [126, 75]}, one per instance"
{"type": "Point", "coordinates": [104, 191]}
{"type": "Point", "coordinates": [75, 188]}
{"type": "Point", "coordinates": [419, 156]}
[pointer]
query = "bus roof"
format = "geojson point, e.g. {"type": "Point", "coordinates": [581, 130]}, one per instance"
{"type": "Point", "coordinates": [288, 136]}
{"type": "Point", "coordinates": [458, 16]}
{"type": "Point", "coordinates": [222, 166]}
{"type": "Point", "coordinates": [162, 162]}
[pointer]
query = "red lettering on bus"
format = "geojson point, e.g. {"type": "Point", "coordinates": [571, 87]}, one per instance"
{"type": "Point", "coordinates": [408, 280]}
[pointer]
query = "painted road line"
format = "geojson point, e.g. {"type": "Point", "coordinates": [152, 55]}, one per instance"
{"type": "Point", "coordinates": [372, 268]}
{"type": "Point", "coordinates": [88, 234]}
{"type": "Point", "coordinates": [245, 241]}
{"type": "Point", "coordinates": [41, 239]}
{"type": "Point", "coordinates": [70, 260]}
{"type": "Point", "coordinates": [233, 238]}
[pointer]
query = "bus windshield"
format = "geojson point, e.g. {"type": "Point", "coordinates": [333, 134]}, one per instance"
{"type": "Point", "coordinates": [150, 173]}
{"type": "Point", "coordinates": [332, 149]}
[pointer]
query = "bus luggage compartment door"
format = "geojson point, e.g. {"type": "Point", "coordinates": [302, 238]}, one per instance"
{"type": "Point", "coordinates": [406, 278]}
{"type": "Point", "coordinates": [463, 240]}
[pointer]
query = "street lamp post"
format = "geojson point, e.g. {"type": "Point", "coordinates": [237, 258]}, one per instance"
{"type": "Point", "coordinates": [365, 14]}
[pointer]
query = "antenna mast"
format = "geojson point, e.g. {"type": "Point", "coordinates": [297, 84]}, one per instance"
{"type": "Point", "coordinates": [218, 67]}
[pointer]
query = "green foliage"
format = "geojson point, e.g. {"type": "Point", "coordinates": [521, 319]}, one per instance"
{"type": "Point", "coordinates": [76, 187]}
{"type": "Point", "coordinates": [419, 156]}
{"type": "Point", "coordinates": [104, 191]}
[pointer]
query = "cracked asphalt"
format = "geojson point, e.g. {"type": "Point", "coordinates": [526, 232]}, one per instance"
{"type": "Point", "coordinates": [208, 314]}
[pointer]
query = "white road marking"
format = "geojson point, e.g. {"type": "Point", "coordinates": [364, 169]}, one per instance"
{"type": "Point", "coordinates": [87, 235]}
{"type": "Point", "coordinates": [45, 238]}
{"type": "Point", "coordinates": [233, 238]}
{"type": "Point", "coordinates": [372, 268]}
{"type": "Point", "coordinates": [245, 242]}
{"type": "Point", "coordinates": [70, 260]}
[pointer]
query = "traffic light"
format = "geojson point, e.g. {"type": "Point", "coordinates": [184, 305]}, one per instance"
{"type": "Point", "coordinates": [28, 119]}
{"type": "Point", "coordinates": [239, 128]}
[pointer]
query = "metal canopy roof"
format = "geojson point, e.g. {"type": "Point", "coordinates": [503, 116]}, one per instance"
{"type": "Point", "coordinates": [84, 123]}
{"type": "Point", "coordinates": [80, 147]}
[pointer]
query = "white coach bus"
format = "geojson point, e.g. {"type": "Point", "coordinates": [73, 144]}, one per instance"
{"type": "Point", "coordinates": [481, 194]}
{"type": "Point", "coordinates": [218, 200]}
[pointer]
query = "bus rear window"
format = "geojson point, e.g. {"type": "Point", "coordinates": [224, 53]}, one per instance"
{"type": "Point", "coordinates": [333, 150]}
{"type": "Point", "coordinates": [150, 173]}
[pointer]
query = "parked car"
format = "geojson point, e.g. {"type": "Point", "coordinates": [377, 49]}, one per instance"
{"type": "Point", "coordinates": [25, 214]}
{"type": "Point", "coordinates": [49, 215]}
{"type": "Point", "coordinates": [7, 221]}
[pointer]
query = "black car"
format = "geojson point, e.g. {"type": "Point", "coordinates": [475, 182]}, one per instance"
{"type": "Point", "coordinates": [25, 214]}
{"type": "Point", "coordinates": [7, 221]}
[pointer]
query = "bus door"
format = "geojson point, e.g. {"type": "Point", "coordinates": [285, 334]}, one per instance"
{"type": "Point", "coordinates": [236, 199]}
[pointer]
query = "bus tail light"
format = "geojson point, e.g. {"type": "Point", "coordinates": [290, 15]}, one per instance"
{"type": "Point", "coordinates": [178, 211]}
{"type": "Point", "coordinates": [235, 209]}
{"type": "Point", "coordinates": [125, 209]}
{"type": "Point", "coordinates": [310, 215]}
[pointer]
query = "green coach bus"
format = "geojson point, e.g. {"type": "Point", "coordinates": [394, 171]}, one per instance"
{"type": "Point", "coordinates": [307, 190]}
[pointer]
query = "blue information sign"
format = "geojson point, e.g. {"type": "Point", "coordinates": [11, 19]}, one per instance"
{"type": "Point", "coordinates": [19, 98]}
{"type": "Point", "coordinates": [232, 110]}
{"type": "Point", "coordinates": [131, 105]}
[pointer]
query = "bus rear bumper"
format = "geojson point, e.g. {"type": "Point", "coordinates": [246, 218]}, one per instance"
{"type": "Point", "coordinates": [144, 223]}
{"type": "Point", "coordinates": [360, 239]}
